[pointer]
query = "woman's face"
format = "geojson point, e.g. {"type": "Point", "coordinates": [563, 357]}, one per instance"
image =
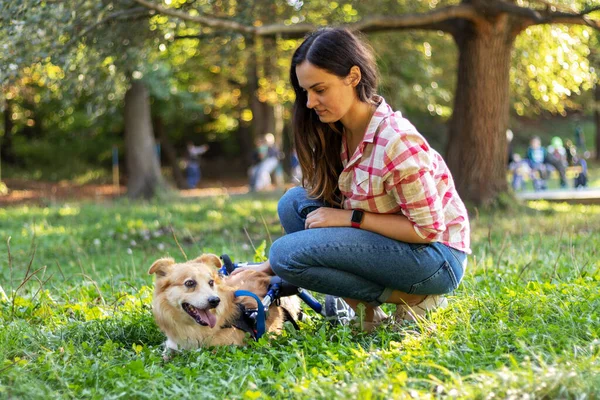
{"type": "Point", "coordinates": [330, 96]}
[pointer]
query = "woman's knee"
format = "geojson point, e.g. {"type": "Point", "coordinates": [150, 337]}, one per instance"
{"type": "Point", "coordinates": [283, 258]}
{"type": "Point", "coordinates": [293, 207]}
{"type": "Point", "coordinates": [288, 202]}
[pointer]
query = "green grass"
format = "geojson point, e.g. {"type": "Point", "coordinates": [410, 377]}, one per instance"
{"type": "Point", "coordinates": [75, 319]}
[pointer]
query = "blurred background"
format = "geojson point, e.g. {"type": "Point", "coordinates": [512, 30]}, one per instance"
{"type": "Point", "coordinates": [87, 85]}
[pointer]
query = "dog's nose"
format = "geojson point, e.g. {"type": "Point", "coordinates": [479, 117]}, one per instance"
{"type": "Point", "coordinates": [214, 301]}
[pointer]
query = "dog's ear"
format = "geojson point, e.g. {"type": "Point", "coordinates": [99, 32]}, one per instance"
{"type": "Point", "coordinates": [209, 259]}
{"type": "Point", "coordinates": [161, 266]}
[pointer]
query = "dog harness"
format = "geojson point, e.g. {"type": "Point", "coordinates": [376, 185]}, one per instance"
{"type": "Point", "coordinates": [245, 321]}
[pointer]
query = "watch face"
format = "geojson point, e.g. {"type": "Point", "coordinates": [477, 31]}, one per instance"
{"type": "Point", "coordinates": [357, 216]}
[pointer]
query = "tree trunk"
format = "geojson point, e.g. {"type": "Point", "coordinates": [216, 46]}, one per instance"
{"type": "Point", "coordinates": [287, 145]}
{"type": "Point", "coordinates": [477, 143]}
{"type": "Point", "coordinates": [170, 154]}
{"type": "Point", "coordinates": [597, 117]}
{"type": "Point", "coordinates": [143, 170]}
{"type": "Point", "coordinates": [6, 147]}
{"type": "Point", "coordinates": [244, 139]}
{"type": "Point", "coordinates": [263, 113]}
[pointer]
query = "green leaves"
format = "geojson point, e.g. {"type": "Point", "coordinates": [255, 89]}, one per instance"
{"type": "Point", "coordinates": [551, 68]}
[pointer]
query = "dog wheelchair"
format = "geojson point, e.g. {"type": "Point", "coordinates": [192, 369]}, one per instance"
{"type": "Point", "coordinates": [335, 310]}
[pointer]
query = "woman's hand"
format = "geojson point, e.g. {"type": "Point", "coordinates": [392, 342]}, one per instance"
{"type": "Point", "coordinates": [264, 267]}
{"type": "Point", "coordinates": [327, 217]}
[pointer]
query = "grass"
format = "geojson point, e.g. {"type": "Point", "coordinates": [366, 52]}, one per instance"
{"type": "Point", "coordinates": [76, 322]}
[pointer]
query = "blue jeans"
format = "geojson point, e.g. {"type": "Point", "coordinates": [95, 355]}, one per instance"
{"type": "Point", "coordinates": [193, 174]}
{"type": "Point", "coordinates": [358, 264]}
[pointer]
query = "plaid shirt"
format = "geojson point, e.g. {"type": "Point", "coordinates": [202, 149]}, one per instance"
{"type": "Point", "coordinates": [395, 171]}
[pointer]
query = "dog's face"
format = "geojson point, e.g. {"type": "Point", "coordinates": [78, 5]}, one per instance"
{"type": "Point", "coordinates": [192, 289]}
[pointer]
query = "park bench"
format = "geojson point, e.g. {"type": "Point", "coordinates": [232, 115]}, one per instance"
{"type": "Point", "coordinates": [571, 172]}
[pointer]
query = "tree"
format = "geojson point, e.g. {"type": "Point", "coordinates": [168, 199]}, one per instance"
{"type": "Point", "coordinates": [144, 171]}
{"type": "Point", "coordinates": [40, 33]}
{"type": "Point", "coordinates": [485, 33]}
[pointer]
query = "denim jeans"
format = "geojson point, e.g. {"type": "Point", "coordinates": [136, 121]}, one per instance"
{"type": "Point", "coordinates": [355, 263]}
{"type": "Point", "coordinates": [193, 174]}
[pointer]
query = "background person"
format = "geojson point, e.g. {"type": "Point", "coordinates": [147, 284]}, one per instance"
{"type": "Point", "coordinates": [536, 157]}
{"type": "Point", "coordinates": [557, 157]}
{"type": "Point", "coordinates": [267, 156]}
{"type": "Point", "coordinates": [192, 170]}
{"type": "Point", "coordinates": [520, 169]}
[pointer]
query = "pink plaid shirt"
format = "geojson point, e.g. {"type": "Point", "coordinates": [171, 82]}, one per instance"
{"type": "Point", "coordinates": [395, 171]}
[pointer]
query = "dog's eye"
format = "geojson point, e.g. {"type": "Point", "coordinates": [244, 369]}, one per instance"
{"type": "Point", "coordinates": [190, 283]}
{"type": "Point", "coordinates": [211, 283]}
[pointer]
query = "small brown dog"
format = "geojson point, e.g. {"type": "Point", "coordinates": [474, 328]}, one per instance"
{"type": "Point", "coordinates": [196, 307]}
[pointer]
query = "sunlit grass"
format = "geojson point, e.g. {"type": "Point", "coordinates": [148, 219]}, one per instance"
{"type": "Point", "coordinates": [524, 323]}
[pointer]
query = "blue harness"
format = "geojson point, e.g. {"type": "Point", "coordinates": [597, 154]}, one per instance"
{"type": "Point", "coordinates": [260, 320]}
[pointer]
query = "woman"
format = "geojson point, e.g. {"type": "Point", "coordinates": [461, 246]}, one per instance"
{"type": "Point", "coordinates": [378, 219]}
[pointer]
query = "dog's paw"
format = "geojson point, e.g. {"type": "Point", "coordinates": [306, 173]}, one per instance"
{"type": "Point", "coordinates": [170, 350]}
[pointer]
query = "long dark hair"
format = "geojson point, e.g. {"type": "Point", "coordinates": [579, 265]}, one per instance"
{"type": "Point", "coordinates": [318, 144]}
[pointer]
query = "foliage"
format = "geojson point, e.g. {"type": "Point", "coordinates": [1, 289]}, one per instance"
{"type": "Point", "coordinates": [524, 323]}
{"type": "Point", "coordinates": [550, 77]}
{"type": "Point", "coordinates": [65, 67]}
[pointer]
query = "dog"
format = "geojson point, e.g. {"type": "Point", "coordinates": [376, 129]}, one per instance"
{"type": "Point", "coordinates": [196, 307]}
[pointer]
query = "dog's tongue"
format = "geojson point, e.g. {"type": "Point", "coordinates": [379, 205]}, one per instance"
{"type": "Point", "coordinates": [208, 317]}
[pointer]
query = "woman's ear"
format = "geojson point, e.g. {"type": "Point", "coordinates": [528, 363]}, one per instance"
{"type": "Point", "coordinates": [354, 76]}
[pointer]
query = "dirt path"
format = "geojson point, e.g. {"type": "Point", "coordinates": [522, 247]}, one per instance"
{"type": "Point", "coordinates": [42, 193]}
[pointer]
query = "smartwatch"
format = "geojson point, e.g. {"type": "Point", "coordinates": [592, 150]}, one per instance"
{"type": "Point", "coordinates": [357, 218]}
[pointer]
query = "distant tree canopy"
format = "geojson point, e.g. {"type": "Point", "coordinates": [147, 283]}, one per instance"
{"type": "Point", "coordinates": [219, 68]}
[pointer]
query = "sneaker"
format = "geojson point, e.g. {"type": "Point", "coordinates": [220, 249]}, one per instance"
{"type": "Point", "coordinates": [337, 311]}
{"type": "Point", "coordinates": [413, 313]}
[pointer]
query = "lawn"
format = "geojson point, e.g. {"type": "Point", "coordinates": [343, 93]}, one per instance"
{"type": "Point", "coordinates": [76, 322]}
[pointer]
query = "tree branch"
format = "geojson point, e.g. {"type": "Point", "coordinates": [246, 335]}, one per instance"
{"type": "Point", "coordinates": [438, 19]}
{"type": "Point", "coordinates": [501, 6]}
{"type": "Point", "coordinates": [211, 22]}
{"type": "Point", "coordinates": [572, 18]}
{"type": "Point", "coordinates": [430, 20]}
{"type": "Point", "coordinates": [590, 10]}
{"type": "Point", "coordinates": [544, 16]}
{"type": "Point", "coordinates": [132, 12]}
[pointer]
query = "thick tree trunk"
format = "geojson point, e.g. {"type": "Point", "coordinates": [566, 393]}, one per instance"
{"type": "Point", "coordinates": [476, 149]}
{"type": "Point", "coordinates": [143, 170]}
{"type": "Point", "coordinates": [169, 151]}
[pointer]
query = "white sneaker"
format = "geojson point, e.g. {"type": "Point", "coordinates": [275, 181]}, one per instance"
{"type": "Point", "coordinates": [428, 304]}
